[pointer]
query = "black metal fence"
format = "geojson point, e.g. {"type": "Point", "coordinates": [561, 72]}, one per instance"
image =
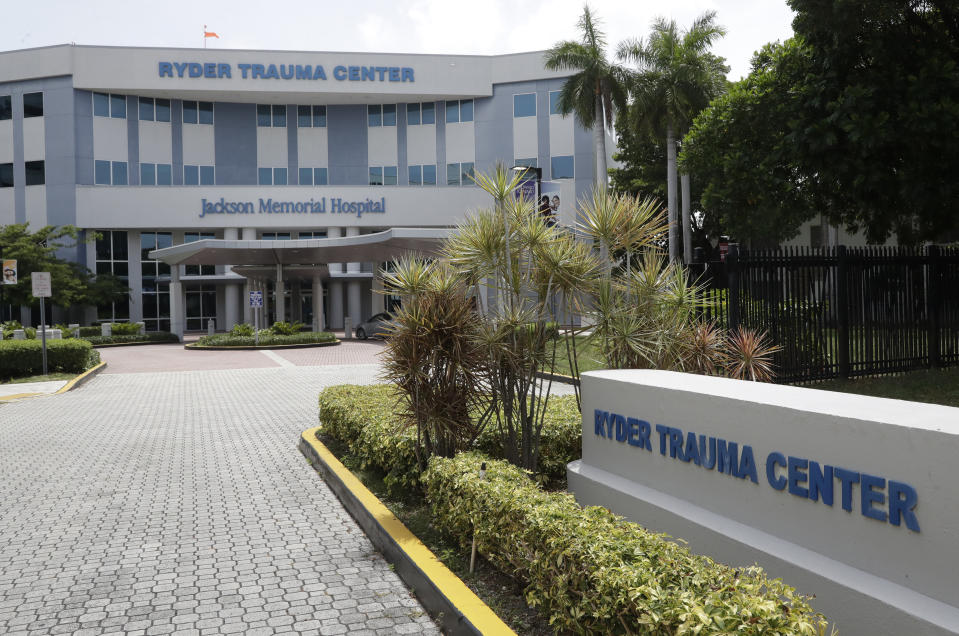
{"type": "Point", "coordinates": [842, 312]}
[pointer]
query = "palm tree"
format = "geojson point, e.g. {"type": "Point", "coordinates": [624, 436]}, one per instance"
{"type": "Point", "coordinates": [676, 78]}
{"type": "Point", "coordinates": [590, 93]}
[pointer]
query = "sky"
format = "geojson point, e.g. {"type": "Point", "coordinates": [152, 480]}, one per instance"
{"type": "Point", "coordinates": [405, 26]}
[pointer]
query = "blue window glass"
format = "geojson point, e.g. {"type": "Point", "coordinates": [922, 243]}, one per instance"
{"type": "Point", "coordinates": [319, 176]}
{"type": "Point", "coordinates": [452, 112]}
{"type": "Point", "coordinates": [466, 110]}
{"type": "Point", "coordinates": [189, 113]}
{"type": "Point", "coordinates": [306, 176]}
{"type": "Point", "coordinates": [279, 116]}
{"type": "Point", "coordinates": [118, 106]}
{"type": "Point", "coordinates": [265, 176]}
{"type": "Point", "coordinates": [412, 114]}
{"type": "Point", "coordinates": [389, 175]}
{"type": "Point", "coordinates": [207, 175]}
{"type": "Point", "coordinates": [452, 174]}
{"type": "Point", "coordinates": [376, 176]}
{"type": "Point", "coordinates": [524, 105]}
{"type": "Point", "coordinates": [319, 116]}
{"type": "Point", "coordinates": [162, 109]}
{"type": "Point", "coordinates": [263, 116]}
{"type": "Point", "coordinates": [146, 109]}
{"type": "Point", "coordinates": [6, 108]}
{"type": "Point", "coordinates": [191, 175]}
{"type": "Point", "coordinates": [429, 174]}
{"type": "Point", "coordinates": [375, 115]}
{"type": "Point", "coordinates": [119, 173]}
{"type": "Point", "coordinates": [33, 104]}
{"type": "Point", "coordinates": [279, 176]}
{"type": "Point", "coordinates": [429, 113]}
{"type": "Point", "coordinates": [148, 174]}
{"type": "Point", "coordinates": [101, 172]}
{"type": "Point", "coordinates": [35, 173]}
{"type": "Point", "coordinates": [206, 112]}
{"type": "Point", "coordinates": [554, 103]}
{"type": "Point", "coordinates": [389, 114]}
{"type": "Point", "coordinates": [562, 167]}
{"type": "Point", "coordinates": [529, 163]}
{"type": "Point", "coordinates": [304, 117]}
{"type": "Point", "coordinates": [101, 104]}
{"type": "Point", "coordinates": [466, 173]}
{"type": "Point", "coordinates": [6, 175]}
{"type": "Point", "coordinates": [416, 175]}
{"type": "Point", "coordinates": [164, 174]}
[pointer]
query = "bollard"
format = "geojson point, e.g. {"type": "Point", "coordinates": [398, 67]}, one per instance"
{"type": "Point", "coordinates": [74, 329]}
{"type": "Point", "coordinates": [143, 328]}
{"type": "Point", "coordinates": [1, 334]}
{"type": "Point", "coordinates": [54, 334]}
{"type": "Point", "coordinates": [347, 327]}
{"type": "Point", "coordinates": [19, 334]}
{"type": "Point", "coordinates": [209, 327]}
{"type": "Point", "coordinates": [106, 329]}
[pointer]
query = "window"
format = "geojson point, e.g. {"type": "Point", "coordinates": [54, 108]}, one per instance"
{"type": "Point", "coordinates": [200, 306]}
{"type": "Point", "coordinates": [376, 176]}
{"type": "Point", "coordinates": [279, 176]}
{"type": "Point", "coordinates": [313, 176]}
{"type": "Point", "coordinates": [271, 176]}
{"type": "Point", "coordinates": [381, 115]}
{"type": "Point", "coordinates": [459, 173]}
{"type": "Point", "coordinates": [33, 104]}
{"type": "Point", "coordinates": [115, 106]}
{"type": "Point", "coordinates": [6, 107]}
{"type": "Point", "coordinates": [562, 167]}
{"type": "Point", "coordinates": [164, 174]}
{"type": "Point", "coordinates": [416, 175]}
{"type": "Point", "coordinates": [429, 113]}
{"type": "Point", "coordinates": [197, 112]}
{"type": "Point", "coordinates": [459, 111]}
{"type": "Point", "coordinates": [423, 175]}
{"type": "Point", "coordinates": [6, 175]}
{"type": "Point", "coordinates": [34, 173]}
{"type": "Point", "coordinates": [412, 114]}
{"type": "Point", "coordinates": [275, 236]}
{"type": "Point", "coordinates": [529, 163]}
{"type": "Point", "coordinates": [199, 175]}
{"type": "Point", "coordinates": [110, 172]}
{"type": "Point", "coordinates": [111, 258]}
{"type": "Point", "coordinates": [267, 116]}
{"type": "Point", "coordinates": [313, 235]}
{"type": "Point", "coordinates": [389, 175]}
{"type": "Point", "coordinates": [198, 270]}
{"type": "Point", "coordinates": [101, 172]}
{"type": "Point", "coordinates": [382, 175]}
{"type": "Point", "coordinates": [154, 109]}
{"type": "Point", "coordinates": [554, 103]}
{"type": "Point", "coordinates": [524, 105]}
{"type": "Point", "coordinates": [311, 116]}
{"type": "Point", "coordinates": [119, 173]}
{"type": "Point", "coordinates": [155, 277]}
{"type": "Point", "coordinates": [155, 174]}
{"type": "Point", "coordinates": [389, 114]}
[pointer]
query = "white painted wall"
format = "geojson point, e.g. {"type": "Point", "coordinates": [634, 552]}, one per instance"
{"type": "Point", "coordinates": [382, 146]}
{"type": "Point", "coordinates": [110, 139]}
{"type": "Point", "coordinates": [36, 206]}
{"type": "Point", "coordinates": [560, 135]}
{"type": "Point", "coordinates": [271, 148]}
{"type": "Point", "coordinates": [421, 144]}
{"type": "Point", "coordinates": [34, 139]}
{"type": "Point", "coordinates": [460, 142]}
{"type": "Point", "coordinates": [869, 576]}
{"type": "Point", "coordinates": [7, 212]}
{"type": "Point", "coordinates": [6, 141]}
{"type": "Point", "coordinates": [156, 142]}
{"type": "Point", "coordinates": [525, 145]}
{"type": "Point", "coordinates": [199, 147]}
{"type": "Point", "coordinates": [312, 148]}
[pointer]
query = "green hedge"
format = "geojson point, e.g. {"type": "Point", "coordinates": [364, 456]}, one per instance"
{"type": "Point", "coordinates": [19, 358]}
{"type": "Point", "coordinates": [150, 336]}
{"type": "Point", "coordinates": [89, 331]}
{"type": "Point", "coordinates": [595, 573]}
{"type": "Point", "coordinates": [229, 340]}
{"type": "Point", "coordinates": [364, 418]}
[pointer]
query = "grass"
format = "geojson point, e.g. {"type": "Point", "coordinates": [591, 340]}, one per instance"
{"type": "Point", "coordinates": [938, 386]}
{"type": "Point", "coordinates": [501, 593]}
{"type": "Point", "coordinates": [50, 377]}
{"type": "Point", "coordinates": [589, 356]}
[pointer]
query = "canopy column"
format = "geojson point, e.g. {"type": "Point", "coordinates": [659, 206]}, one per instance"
{"type": "Point", "coordinates": [177, 307]}
{"type": "Point", "coordinates": [279, 291]}
{"type": "Point", "coordinates": [319, 324]}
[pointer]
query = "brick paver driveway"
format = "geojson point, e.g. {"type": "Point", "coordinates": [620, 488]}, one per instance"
{"type": "Point", "coordinates": [156, 503]}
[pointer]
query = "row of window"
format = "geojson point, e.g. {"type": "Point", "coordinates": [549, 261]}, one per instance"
{"type": "Point", "coordinates": [524, 104]}
{"type": "Point", "coordinates": [32, 105]}
{"type": "Point", "coordinates": [35, 174]}
{"type": "Point", "coordinates": [115, 173]}
{"type": "Point", "coordinates": [151, 109]}
{"type": "Point", "coordinates": [274, 116]}
{"type": "Point", "coordinates": [457, 110]}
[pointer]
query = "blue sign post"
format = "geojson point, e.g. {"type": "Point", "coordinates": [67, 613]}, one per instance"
{"type": "Point", "coordinates": [256, 302]}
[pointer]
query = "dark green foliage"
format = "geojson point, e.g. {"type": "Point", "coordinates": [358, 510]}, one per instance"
{"type": "Point", "coordinates": [24, 357]}
{"type": "Point", "coordinates": [150, 336]}
{"type": "Point", "coordinates": [283, 328]}
{"type": "Point", "coordinates": [266, 339]}
{"type": "Point", "coordinates": [86, 332]}
{"type": "Point", "coordinates": [244, 329]}
{"type": "Point", "coordinates": [125, 328]}
{"type": "Point", "coordinates": [593, 572]}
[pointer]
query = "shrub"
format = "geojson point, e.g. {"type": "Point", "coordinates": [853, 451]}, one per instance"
{"type": "Point", "coordinates": [125, 329]}
{"type": "Point", "coordinates": [596, 573]}
{"type": "Point", "coordinates": [150, 336]}
{"type": "Point", "coordinates": [267, 338]}
{"type": "Point", "coordinates": [65, 331]}
{"type": "Point", "coordinates": [244, 329]}
{"type": "Point", "coordinates": [284, 328]}
{"type": "Point", "coordinates": [24, 357]}
{"type": "Point", "coordinates": [89, 331]}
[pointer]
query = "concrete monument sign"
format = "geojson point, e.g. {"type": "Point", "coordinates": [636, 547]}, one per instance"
{"type": "Point", "coordinates": [851, 498]}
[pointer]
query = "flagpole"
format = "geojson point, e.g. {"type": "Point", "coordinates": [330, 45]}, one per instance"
{"type": "Point", "coordinates": [204, 36]}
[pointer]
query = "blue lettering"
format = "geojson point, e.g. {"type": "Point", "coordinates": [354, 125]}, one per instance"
{"type": "Point", "coordinates": [354, 73]}
{"type": "Point", "coordinates": [847, 478]}
{"type": "Point", "coordinates": [675, 443]}
{"type": "Point", "coordinates": [368, 74]}
{"type": "Point", "coordinates": [407, 74]}
{"type": "Point", "coordinates": [869, 496]}
{"type": "Point", "coordinates": [621, 431]}
{"type": "Point", "coordinates": [271, 72]}
{"type": "Point", "coordinates": [692, 449]}
{"type": "Point", "coordinates": [600, 417]}
{"type": "Point", "coordinates": [747, 464]}
{"type": "Point", "coordinates": [796, 466]}
{"type": "Point", "coordinates": [180, 68]}
{"type": "Point", "coordinates": [257, 71]}
{"type": "Point", "coordinates": [339, 73]}
{"type": "Point", "coordinates": [286, 71]}
{"type": "Point", "coordinates": [196, 70]}
{"type": "Point", "coordinates": [381, 70]}
{"type": "Point", "coordinates": [166, 69]}
{"type": "Point", "coordinates": [244, 69]}
{"type": "Point", "coordinates": [708, 459]}
{"type": "Point", "coordinates": [902, 501]}
{"type": "Point", "coordinates": [663, 431]}
{"type": "Point", "coordinates": [727, 454]}
{"type": "Point", "coordinates": [820, 483]}
{"type": "Point", "coordinates": [394, 74]}
{"type": "Point", "coordinates": [209, 70]}
{"type": "Point", "coordinates": [304, 72]}
{"type": "Point", "coordinates": [223, 70]}
{"type": "Point", "coordinates": [319, 73]}
{"type": "Point", "coordinates": [773, 460]}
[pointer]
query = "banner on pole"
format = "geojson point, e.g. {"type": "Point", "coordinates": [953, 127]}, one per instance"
{"type": "Point", "coordinates": [10, 272]}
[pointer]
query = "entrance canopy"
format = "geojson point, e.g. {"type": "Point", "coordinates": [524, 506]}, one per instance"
{"type": "Point", "coordinates": [366, 248]}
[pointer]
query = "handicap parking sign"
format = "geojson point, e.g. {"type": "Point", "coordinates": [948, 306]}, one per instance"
{"type": "Point", "coordinates": [256, 299]}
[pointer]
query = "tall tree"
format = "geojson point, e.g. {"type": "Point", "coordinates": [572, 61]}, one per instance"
{"type": "Point", "coordinates": [676, 78]}
{"type": "Point", "coordinates": [591, 93]}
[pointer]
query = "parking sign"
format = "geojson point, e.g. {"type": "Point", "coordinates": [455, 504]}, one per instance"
{"type": "Point", "coordinates": [256, 299]}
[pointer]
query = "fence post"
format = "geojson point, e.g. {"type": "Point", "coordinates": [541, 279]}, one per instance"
{"type": "Point", "coordinates": [932, 305]}
{"type": "Point", "coordinates": [842, 306]}
{"type": "Point", "coordinates": [732, 270]}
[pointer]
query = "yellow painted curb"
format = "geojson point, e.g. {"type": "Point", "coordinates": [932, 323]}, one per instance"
{"type": "Point", "coordinates": [83, 377]}
{"type": "Point", "coordinates": [449, 585]}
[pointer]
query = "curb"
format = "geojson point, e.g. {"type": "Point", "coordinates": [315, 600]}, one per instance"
{"type": "Point", "coordinates": [107, 345]}
{"type": "Point", "coordinates": [72, 384]}
{"type": "Point", "coordinates": [449, 601]}
{"type": "Point", "coordinates": [305, 345]}
{"type": "Point", "coordinates": [558, 377]}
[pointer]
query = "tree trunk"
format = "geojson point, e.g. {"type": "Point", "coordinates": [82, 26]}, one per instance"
{"type": "Point", "coordinates": [687, 222]}
{"type": "Point", "coordinates": [599, 142]}
{"type": "Point", "coordinates": [671, 193]}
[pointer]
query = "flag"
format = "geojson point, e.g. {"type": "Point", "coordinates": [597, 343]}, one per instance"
{"type": "Point", "coordinates": [209, 34]}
